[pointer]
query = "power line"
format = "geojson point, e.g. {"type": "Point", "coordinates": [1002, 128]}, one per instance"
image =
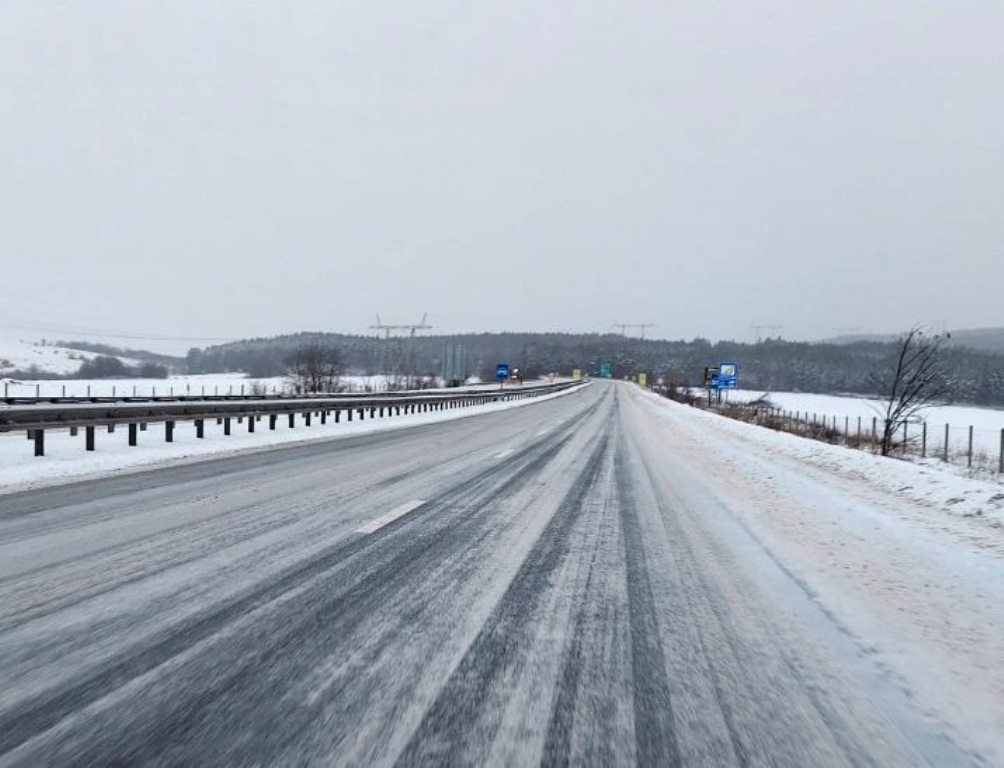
{"type": "Point", "coordinates": [46, 328]}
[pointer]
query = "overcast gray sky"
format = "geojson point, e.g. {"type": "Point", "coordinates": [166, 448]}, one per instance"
{"type": "Point", "coordinates": [236, 169]}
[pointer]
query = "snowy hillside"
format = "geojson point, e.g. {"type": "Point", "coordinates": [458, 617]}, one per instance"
{"type": "Point", "coordinates": [24, 354]}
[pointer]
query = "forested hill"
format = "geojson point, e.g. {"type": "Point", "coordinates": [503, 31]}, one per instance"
{"type": "Point", "coordinates": [769, 365]}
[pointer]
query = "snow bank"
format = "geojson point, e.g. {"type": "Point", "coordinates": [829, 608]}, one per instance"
{"type": "Point", "coordinates": [932, 484]}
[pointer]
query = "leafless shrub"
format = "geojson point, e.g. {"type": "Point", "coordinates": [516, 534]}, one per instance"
{"type": "Point", "coordinates": [915, 380]}
{"type": "Point", "coordinates": [314, 368]}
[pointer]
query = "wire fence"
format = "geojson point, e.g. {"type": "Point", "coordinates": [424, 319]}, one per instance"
{"type": "Point", "coordinates": [975, 447]}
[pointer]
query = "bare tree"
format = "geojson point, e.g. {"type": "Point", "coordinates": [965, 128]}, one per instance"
{"type": "Point", "coordinates": [314, 368]}
{"type": "Point", "coordinates": [916, 380]}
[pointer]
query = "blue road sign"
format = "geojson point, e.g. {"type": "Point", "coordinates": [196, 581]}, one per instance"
{"type": "Point", "coordinates": [502, 371]}
{"type": "Point", "coordinates": [727, 376]}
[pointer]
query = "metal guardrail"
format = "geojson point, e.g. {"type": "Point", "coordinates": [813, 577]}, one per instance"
{"type": "Point", "coordinates": [90, 413]}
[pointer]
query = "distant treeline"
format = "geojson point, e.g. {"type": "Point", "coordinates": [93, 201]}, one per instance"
{"type": "Point", "coordinates": [168, 361]}
{"type": "Point", "coordinates": [770, 365]}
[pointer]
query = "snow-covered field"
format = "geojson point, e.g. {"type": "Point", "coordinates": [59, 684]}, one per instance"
{"type": "Point", "coordinates": [66, 459]}
{"type": "Point", "coordinates": [196, 384]}
{"type": "Point", "coordinates": [987, 423]}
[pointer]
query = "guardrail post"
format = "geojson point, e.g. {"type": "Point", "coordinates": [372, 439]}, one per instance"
{"type": "Point", "coordinates": [381, 411]}
{"type": "Point", "coordinates": [306, 418]}
{"type": "Point", "coordinates": [372, 411]}
{"type": "Point", "coordinates": [111, 428]}
{"type": "Point", "coordinates": [40, 442]}
{"type": "Point", "coordinates": [292, 420]}
{"type": "Point", "coordinates": [348, 413]}
{"type": "Point", "coordinates": [945, 455]}
{"type": "Point", "coordinates": [73, 431]}
{"type": "Point", "coordinates": [1000, 463]}
{"type": "Point", "coordinates": [226, 425]}
{"type": "Point", "coordinates": [168, 431]}
{"type": "Point", "coordinates": [132, 433]}
{"type": "Point", "coordinates": [923, 441]}
{"type": "Point", "coordinates": [272, 417]}
{"type": "Point", "coordinates": [200, 428]}
{"type": "Point", "coordinates": [251, 423]}
{"type": "Point", "coordinates": [89, 438]}
{"type": "Point", "coordinates": [970, 462]}
{"type": "Point", "coordinates": [338, 415]}
{"type": "Point", "coordinates": [142, 426]}
{"type": "Point", "coordinates": [324, 417]}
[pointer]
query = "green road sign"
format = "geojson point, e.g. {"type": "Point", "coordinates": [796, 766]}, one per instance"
{"type": "Point", "coordinates": [606, 370]}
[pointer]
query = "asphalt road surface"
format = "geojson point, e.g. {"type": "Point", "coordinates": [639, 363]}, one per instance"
{"type": "Point", "coordinates": [534, 586]}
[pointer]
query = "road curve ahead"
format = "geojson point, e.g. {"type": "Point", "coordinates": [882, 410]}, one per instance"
{"type": "Point", "coordinates": [535, 586]}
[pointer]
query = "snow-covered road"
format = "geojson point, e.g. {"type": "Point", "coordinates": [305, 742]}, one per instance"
{"type": "Point", "coordinates": [601, 578]}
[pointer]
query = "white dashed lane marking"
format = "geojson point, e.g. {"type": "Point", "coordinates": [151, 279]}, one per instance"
{"type": "Point", "coordinates": [390, 517]}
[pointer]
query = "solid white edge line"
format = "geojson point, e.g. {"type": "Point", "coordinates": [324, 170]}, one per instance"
{"type": "Point", "coordinates": [399, 511]}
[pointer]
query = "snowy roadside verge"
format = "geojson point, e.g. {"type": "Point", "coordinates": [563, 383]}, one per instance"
{"type": "Point", "coordinates": [907, 560]}
{"type": "Point", "coordinates": [66, 460]}
{"type": "Point", "coordinates": [928, 482]}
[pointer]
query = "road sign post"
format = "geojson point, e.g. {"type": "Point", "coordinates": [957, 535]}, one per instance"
{"type": "Point", "coordinates": [502, 373]}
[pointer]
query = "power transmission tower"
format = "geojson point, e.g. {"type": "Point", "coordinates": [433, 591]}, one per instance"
{"type": "Point", "coordinates": [640, 326]}
{"type": "Point", "coordinates": [402, 363]}
{"type": "Point", "coordinates": [773, 330]}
